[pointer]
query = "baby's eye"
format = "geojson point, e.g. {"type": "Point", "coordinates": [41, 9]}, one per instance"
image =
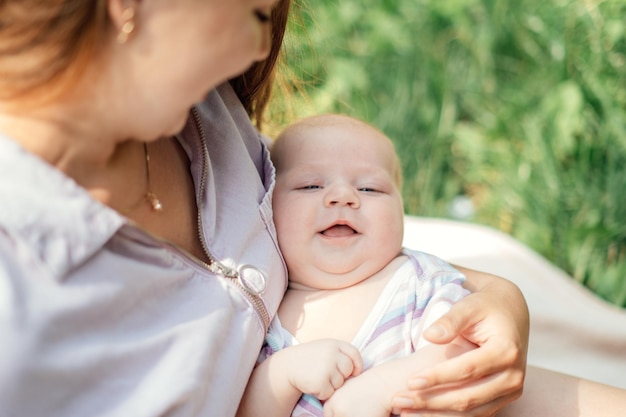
{"type": "Point", "coordinates": [368, 190]}
{"type": "Point", "coordinates": [310, 187]}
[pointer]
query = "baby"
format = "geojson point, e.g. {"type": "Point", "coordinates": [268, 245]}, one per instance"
{"type": "Point", "coordinates": [349, 330]}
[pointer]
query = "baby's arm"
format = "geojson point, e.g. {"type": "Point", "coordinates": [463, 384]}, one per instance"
{"type": "Point", "coordinates": [437, 287]}
{"type": "Point", "coordinates": [317, 368]}
{"type": "Point", "coordinates": [371, 393]}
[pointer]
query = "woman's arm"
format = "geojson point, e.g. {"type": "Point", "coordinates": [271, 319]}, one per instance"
{"type": "Point", "coordinates": [495, 318]}
{"type": "Point", "coordinates": [548, 393]}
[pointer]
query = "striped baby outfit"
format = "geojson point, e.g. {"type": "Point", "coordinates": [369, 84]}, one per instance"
{"type": "Point", "coordinates": [420, 291]}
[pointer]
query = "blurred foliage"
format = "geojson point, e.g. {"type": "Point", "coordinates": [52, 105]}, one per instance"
{"type": "Point", "coordinates": [520, 106]}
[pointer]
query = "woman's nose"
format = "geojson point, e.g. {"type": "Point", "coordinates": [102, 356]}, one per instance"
{"type": "Point", "coordinates": [342, 195]}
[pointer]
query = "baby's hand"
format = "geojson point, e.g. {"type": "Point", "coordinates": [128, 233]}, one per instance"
{"type": "Point", "coordinates": [322, 366]}
{"type": "Point", "coordinates": [366, 396]}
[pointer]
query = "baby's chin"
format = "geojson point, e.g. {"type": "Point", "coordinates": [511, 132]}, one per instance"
{"type": "Point", "coordinates": [326, 279]}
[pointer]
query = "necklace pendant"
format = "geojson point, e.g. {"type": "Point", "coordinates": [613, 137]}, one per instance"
{"type": "Point", "coordinates": [154, 201]}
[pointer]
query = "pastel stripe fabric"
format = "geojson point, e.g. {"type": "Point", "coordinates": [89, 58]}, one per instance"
{"type": "Point", "coordinates": [421, 291]}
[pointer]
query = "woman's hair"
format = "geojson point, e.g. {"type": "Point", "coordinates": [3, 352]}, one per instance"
{"type": "Point", "coordinates": [44, 48]}
{"type": "Point", "coordinates": [254, 86]}
{"type": "Point", "coordinates": [45, 45]}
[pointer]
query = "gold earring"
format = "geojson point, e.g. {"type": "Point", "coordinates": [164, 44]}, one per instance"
{"type": "Point", "coordinates": [128, 17]}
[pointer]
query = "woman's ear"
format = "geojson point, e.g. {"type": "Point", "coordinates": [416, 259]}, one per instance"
{"type": "Point", "coordinates": [123, 14]}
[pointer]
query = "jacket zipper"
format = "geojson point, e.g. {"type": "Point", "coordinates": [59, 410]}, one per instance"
{"type": "Point", "coordinates": [214, 265]}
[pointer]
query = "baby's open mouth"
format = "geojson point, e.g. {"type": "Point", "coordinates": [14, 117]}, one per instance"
{"type": "Point", "coordinates": [339, 230]}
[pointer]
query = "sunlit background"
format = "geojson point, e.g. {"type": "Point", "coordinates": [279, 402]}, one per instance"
{"type": "Point", "coordinates": [505, 113]}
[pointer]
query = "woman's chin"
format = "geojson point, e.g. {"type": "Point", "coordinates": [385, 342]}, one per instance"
{"type": "Point", "coordinates": [176, 127]}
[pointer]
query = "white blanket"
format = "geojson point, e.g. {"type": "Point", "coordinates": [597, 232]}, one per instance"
{"type": "Point", "coordinates": [572, 330]}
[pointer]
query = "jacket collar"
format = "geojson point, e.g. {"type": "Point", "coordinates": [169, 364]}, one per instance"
{"type": "Point", "coordinates": [46, 210]}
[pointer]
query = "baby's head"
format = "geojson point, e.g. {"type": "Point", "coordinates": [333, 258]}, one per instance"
{"type": "Point", "coordinates": [337, 202]}
{"type": "Point", "coordinates": [312, 127]}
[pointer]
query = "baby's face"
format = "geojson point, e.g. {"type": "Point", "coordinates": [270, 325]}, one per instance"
{"type": "Point", "coordinates": [337, 207]}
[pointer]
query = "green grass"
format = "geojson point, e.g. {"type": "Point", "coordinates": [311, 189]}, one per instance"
{"type": "Point", "coordinates": [520, 106]}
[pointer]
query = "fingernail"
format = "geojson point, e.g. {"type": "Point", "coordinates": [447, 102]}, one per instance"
{"type": "Point", "coordinates": [402, 402]}
{"type": "Point", "coordinates": [418, 383]}
{"type": "Point", "coordinates": [437, 331]}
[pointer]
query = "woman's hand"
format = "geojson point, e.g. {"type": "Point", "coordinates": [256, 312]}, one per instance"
{"type": "Point", "coordinates": [481, 382]}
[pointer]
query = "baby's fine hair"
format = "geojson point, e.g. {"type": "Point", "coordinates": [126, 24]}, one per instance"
{"type": "Point", "coordinates": [332, 119]}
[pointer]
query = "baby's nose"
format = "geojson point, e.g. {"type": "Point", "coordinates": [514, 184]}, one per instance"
{"type": "Point", "coordinates": [342, 195]}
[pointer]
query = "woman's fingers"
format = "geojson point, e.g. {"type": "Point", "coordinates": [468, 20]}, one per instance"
{"type": "Point", "coordinates": [475, 399]}
{"type": "Point", "coordinates": [488, 410]}
{"type": "Point", "coordinates": [495, 356]}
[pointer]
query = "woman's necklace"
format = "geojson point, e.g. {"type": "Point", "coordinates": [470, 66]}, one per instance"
{"type": "Point", "coordinates": [151, 197]}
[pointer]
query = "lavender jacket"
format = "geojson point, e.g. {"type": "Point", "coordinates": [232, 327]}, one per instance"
{"type": "Point", "coordinates": [98, 318]}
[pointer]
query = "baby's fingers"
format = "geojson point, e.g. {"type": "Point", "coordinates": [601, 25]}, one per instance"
{"type": "Point", "coordinates": [352, 363]}
{"type": "Point", "coordinates": [348, 363]}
